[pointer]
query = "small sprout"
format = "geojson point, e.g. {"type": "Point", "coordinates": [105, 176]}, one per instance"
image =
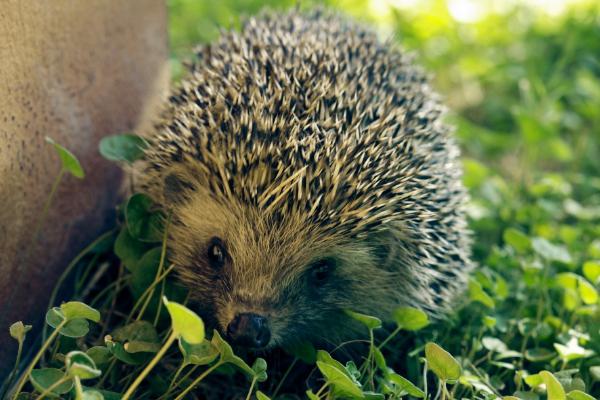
{"type": "Point", "coordinates": [185, 322]}
{"type": "Point", "coordinates": [50, 378]}
{"type": "Point", "coordinates": [443, 365]}
{"type": "Point", "coordinates": [18, 330]}
{"type": "Point", "coordinates": [410, 319]}
{"type": "Point", "coordinates": [260, 369]}
{"type": "Point", "coordinates": [554, 389]}
{"type": "Point", "coordinates": [367, 320]}
{"type": "Point", "coordinates": [123, 148]}
{"type": "Point", "coordinates": [69, 162]}
{"type": "Point", "coordinates": [81, 365]}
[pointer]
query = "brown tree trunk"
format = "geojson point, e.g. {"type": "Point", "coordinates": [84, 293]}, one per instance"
{"type": "Point", "coordinates": [75, 71]}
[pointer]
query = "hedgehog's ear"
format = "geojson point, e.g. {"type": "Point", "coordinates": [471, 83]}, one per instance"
{"type": "Point", "coordinates": [176, 188]}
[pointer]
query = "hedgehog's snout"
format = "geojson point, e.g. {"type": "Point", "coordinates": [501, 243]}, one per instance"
{"type": "Point", "coordinates": [249, 330]}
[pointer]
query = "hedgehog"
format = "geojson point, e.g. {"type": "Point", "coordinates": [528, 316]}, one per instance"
{"type": "Point", "coordinates": [306, 170]}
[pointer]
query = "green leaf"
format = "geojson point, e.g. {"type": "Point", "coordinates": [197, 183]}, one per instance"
{"type": "Point", "coordinates": [591, 270]}
{"type": "Point", "coordinates": [494, 344]}
{"type": "Point", "coordinates": [92, 395]}
{"type": "Point", "coordinates": [69, 162]}
{"type": "Point", "coordinates": [227, 354]}
{"type": "Point", "coordinates": [551, 251]}
{"type": "Point", "coordinates": [138, 336]}
{"type": "Point", "coordinates": [123, 148]}
{"type": "Point", "coordinates": [340, 380]}
{"type": "Point", "coordinates": [326, 358]}
{"type": "Point", "coordinates": [100, 354]}
{"type": "Point", "coordinates": [185, 322]}
{"type": "Point", "coordinates": [222, 346]}
{"type": "Point", "coordinates": [311, 395]}
{"type": "Point", "coordinates": [517, 240]}
{"type": "Point", "coordinates": [443, 365]}
{"type": "Point", "coordinates": [572, 350]}
{"type": "Point", "coordinates": [406, 385]}
{"type": "Point", "coordinates": [554, 389]}
{"type": "Point", "coordinates": [198, 354]}
{"type": "Point", "coordinates": [145, 272]}
{"type": "Point", "coordinates": [595, 373]}
{"type": "Point", "coordinates": [44, 378]}
{"type": "Point", "coordinates": [367, 320]}
{"type": "Point", "coordinates": [80, 364]}
{"type": "Point", "coordinates": [260, 369]}
{"type": "Point", "coordinates": [74, 328]}
{"type": "Point", "coordinates": [120, 354]}
{"type": "Point", "coordinates": [476, 293]}
{"type": "Point", "coordinates": [143, 222]}
{"type": "Point", "coordinates": [534, 380]}
{"type": "Point", "coordinates": [261, 396]}
{"type": "Point", "coordinates": [579, 395]}
{"type": "Point", "coordinates": [129, 250]}
{"type": "Point", "coordinates": [75, 309]}
{"type": "Point", "coordinates": [18, 330]}
{"type": "Point", "coordinates": [410, 319]}
{"type": "Point", "coordinates": [539, 354]}
{"type": "Point", "coordinates": [379, 359]}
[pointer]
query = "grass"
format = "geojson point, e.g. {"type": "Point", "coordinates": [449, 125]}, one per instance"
{"type": "Point", "coordinates": [525, 102]}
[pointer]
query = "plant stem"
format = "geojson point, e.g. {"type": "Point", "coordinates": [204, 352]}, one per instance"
{"type": "Point", "coordinates": [78, 389]}
{"type": "Point", "coordinates": [56, 384]}
{"type": "Point", "coordinates": [390, 337]}
{"type": "Point", "coordinates": [443, 384]}
{"type": "Point", "coordinates": [161, 264]}
{"type": "Point", "coordinates": [37, 357]}
{"type": "Point", "coordinates": [322, 389]}
{"type": "Point", "coordinates": [150, 365]}
{"type": "Point", "coordinates": [251, 389]}
{"type": "Point", "coordinates": [68, 271]}
{"type": "Point", "coordinates": [13, 373]}
{"type": "Point", "coordinates": [147, 291]}
{"type": "Point", "coordinates": [285, 375]}
{"type": "Point", "coordinates": [197, 380]}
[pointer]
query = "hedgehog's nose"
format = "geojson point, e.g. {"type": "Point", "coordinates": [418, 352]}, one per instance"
{"type": "Point", "coordinates": [249, 330]}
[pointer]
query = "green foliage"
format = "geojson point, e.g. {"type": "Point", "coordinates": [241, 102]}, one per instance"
{"type": "Point", "coordinates": [524, 100]}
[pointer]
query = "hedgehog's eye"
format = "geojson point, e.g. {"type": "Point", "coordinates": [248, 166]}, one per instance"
{"type": "Point", "coordinates": [321, 270]}
{"type": "Point", "coordinates": [216, 253]}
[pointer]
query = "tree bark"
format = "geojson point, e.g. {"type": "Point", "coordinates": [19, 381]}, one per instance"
{"type": "Point", "coordinates": [74, 71]}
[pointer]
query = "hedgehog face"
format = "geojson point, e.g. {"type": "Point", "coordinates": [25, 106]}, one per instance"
{"type": "Point", "coordinates": [263, 282]}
